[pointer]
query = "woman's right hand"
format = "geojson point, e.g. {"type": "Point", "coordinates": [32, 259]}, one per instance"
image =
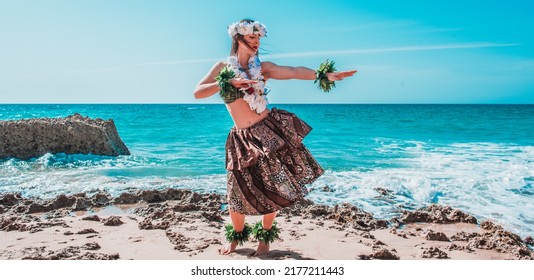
{"type": "Point", "coordinates": [242, 83]}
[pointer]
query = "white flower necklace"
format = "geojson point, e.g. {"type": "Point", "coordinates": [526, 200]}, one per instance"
{"type": "Point", "coordinates": [255, 95]}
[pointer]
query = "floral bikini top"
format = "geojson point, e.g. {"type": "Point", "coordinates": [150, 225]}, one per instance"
{"type": "Point", "coordinates": [255, 95]}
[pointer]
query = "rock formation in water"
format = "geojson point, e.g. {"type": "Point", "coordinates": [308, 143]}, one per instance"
{"type": "Point", "coordinates": [25, 139]}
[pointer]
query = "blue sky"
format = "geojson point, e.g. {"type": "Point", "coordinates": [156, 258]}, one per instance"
{"type": "Point", "coordinates": [156, 51]}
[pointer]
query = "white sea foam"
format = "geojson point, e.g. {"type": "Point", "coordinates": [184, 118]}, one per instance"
{"type": "Point", "coordinates": [488, 180]}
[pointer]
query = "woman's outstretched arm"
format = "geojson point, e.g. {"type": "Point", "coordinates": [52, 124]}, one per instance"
{"type": "Point", "coordinates": [277, 72]}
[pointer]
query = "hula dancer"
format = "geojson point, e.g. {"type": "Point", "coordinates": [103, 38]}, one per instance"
{"type": "Point", "coordinates": [267, 164]}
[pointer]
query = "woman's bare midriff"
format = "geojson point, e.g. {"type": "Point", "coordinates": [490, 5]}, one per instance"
{"type": "Point", "coordinates": [242, 115]}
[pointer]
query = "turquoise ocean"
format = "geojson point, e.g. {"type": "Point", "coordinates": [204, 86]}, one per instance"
{"type": "Point", "coordinates": [478, 158]}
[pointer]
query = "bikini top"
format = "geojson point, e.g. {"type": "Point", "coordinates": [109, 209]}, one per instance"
{"type": "Point", "coordinates": [232, 96]}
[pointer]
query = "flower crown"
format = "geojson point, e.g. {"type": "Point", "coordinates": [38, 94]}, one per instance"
{"type": "Point", "coordinates": [247, 28]}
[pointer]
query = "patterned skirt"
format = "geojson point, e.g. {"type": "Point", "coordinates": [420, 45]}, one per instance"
{"type": "Point", "coordinates": [267, 164]}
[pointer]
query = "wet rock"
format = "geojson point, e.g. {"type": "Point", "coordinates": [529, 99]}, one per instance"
{"type": "Point", "coordinates": [152, 196]}
{"type": "Point", "coordinates": [87, 231]}
{"type": "Point", "coordinates": [436, 236]}
{"type": "Point", "coordinates": [379, 243]}
{"type": "Point", "coordinates": [179, 240]}
{"type": "Point", "coordinates": [91, 246]}
{"type": "Point", "coordinates": [436, 214]}
{"type": "Point", "coordinates": [30, 206]}
{"type": "Point", "coordinates": [18, 223]}
{"type": "Point", "coordinates": [113, 221]}
{"type": "Point", "coordinates": [79, 195]}
{"type": "Point", "coordinates": [100, 199]}
{"type": "Point", "coordinates": [523, 253]}
{"type": "Point", "coordinates": [94, 256]}
{"type": "Point", "coordinates": [434, 252]}
{"type": "Point", "coordinates": [187, 200]}
{"type": "Point", "coordinates": [2, 209]}
{"type": "Point", "coordinates": [297, 209]}
{"type": "Point", "coordinates": [186, 207]}
{"type": "Point", "coordinates": [80, 204]}
{"type": "Point", "coordinates": [316, 211]}
{"type": "Point", "coordinates": [455, 247]}
{"type": "Point", "coordinates": [19, 209]}
{"type": "Point", "coordinates": [401, 234]}
{"type": "Point", "coordinates": [149, 224]}
{"type": "Point", "coordinates": [212, 216]}
{"type": "Point", "coordinates": [67, 253]}
{"type": "Point", "coordinates": [92, 218]}
{"type": "Point", "coordinates": [202, 246]}
{"type": "Point", "coordinates": [184, 196]}
{"type": "Point", "coordinates": [367, 235]}
{"type": "Point", "coordinates": [501, 241]}
{"type": "Point", "coordinates": [529, 240]}
{"type": "Point", "coordinates": [36, 208]}
{"type": "Point", "coordinates": [62, 201]}
{"type": "Point", "coordinates": [151, 210]}
{"type": "Point", "coordinates": [56, 214]}
{"type": "Point", "coordinates": [10, 199]}
{"type": "Point", "coordinates": [384, 254]}
{"type": "Point", "coordinates": [488, 225]}
{"type": "Point", "coordinates": [464, 236]}
{"type": "Point", "coordinates": [52, 223]}
{"type": "Point", "coordinates": [34, 253]}
{"type": "Point", "coordinates": [327, 189]}
{"type": "Point", "coordinates": [126, 198]}
{"type": "Point", "coordinates": [383, 192]}
{"type": "Point", "coordinates": [25, 139]}
{"type": "Point", "coordinates": [357, 218]}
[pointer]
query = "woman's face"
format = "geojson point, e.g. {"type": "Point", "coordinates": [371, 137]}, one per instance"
{"type": "Point", "coordinates": [253, 41]}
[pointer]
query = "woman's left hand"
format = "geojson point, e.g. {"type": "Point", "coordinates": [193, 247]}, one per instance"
{"type": "Point", "coordinates": [338, 76]}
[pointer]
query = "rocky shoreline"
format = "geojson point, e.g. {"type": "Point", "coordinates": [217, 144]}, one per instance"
{"type": "Point", "coordinates": [181, 224]}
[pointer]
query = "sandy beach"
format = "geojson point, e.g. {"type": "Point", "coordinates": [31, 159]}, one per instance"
{"type": "Point", "coordinates": [180, 224]}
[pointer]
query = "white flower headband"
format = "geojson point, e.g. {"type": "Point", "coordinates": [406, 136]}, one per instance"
{"type": "Point", "coordinates": [247, 28]}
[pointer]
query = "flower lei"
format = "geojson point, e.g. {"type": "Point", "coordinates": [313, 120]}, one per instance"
{"type": "Point", "coordinates": [247, 28]}
{"type": "Point", "coordinates": [255, 95]}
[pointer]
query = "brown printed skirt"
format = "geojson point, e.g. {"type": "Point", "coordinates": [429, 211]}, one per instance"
{"type": "Point", "coordinates": [267, 164]}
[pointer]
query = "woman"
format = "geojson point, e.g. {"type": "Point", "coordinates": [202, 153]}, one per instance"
{"type": "Point", "coordinates": [267, 164]}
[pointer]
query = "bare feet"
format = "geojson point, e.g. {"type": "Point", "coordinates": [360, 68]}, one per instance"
{"type": "Point", "coordinates": [263, 249]}
{"type": "Point", "coordinates": [228, 248]}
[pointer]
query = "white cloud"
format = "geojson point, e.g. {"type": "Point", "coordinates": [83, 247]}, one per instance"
{"type": "Point", "coordinates": [473, 45]}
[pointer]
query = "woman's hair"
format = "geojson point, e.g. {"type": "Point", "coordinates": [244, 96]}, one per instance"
{"type": "Point", "coordinates": [239, 38]}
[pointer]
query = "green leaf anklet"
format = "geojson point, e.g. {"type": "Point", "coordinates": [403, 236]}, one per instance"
{"type": "Point", "coordinates": [320, 76]}
{"type": "Point", "coordinates": [240, 237]}
{"type": "Point", "coordinates": [266, 236]}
